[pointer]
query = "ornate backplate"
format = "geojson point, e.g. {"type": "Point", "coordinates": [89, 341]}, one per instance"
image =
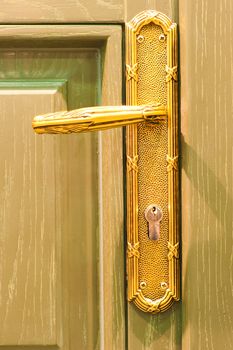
{"type": "Point", "coordinates": [152, 162]}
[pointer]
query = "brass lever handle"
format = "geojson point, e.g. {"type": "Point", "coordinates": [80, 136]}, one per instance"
{"type": "Point", "coordinates": [97, 118]}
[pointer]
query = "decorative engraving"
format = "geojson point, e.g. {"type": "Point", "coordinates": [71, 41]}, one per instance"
{"type": "Point", "coordinates": [65, 129]}
{"type": "Point", "coordinates": [131, 72]}
{"type": "Point", "coordinates": [97, 118]}
{"type": "Point", "coordinates": [172, 163]}
{"type": "Point", "coordinates": [132, 163]}
{"type": "Point", "coordinates": [173, 250]}
{"type": "Point", "coordinates": [171, 73]}
{"type": "Point", "coordinates": [163, 286]}
{"type": "Point", "coordinates": [154, 308]}
{"type": "Point", "coordinates": [133, 250]}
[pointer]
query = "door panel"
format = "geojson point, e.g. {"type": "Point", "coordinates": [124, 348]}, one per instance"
{"type": "Point", "coordinates": [30, 280]}
{"type": "Point", "coordinates": [61, 257]}
{"type": "Point", "coordinates": [59, 11]}
{"type": "Point", "coordinates": [207, 186]}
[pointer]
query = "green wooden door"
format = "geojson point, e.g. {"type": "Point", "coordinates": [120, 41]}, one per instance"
{"type": "Point", "coordinates": [59, 289]}
{"type": "Point", "coordinates": [62, 275]}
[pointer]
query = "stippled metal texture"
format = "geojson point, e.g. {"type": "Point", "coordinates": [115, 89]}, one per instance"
{"type": "Point", "coordinates": [152, 151]}
{"type": "Point", "coordinates": [153, 269]}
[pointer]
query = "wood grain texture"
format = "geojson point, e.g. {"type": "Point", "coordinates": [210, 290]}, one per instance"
{"type": "Point", "coordinates": [72, 11]}
{"type": "Point", "coordinates": [29, 271]}
{"type": "Point", "coordinates": [59, 11]}
{"type": "Point", "coordinates": [112, 256]}
{"type": "Point", "coordinates": [206, 31]}
{"type": "Point", "coordinates": [66, 205]}
{"type": "Point", "coordinates": [169, 7]}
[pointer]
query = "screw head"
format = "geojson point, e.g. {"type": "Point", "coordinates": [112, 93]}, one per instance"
{"type": "Point", "coordinates": [143, 285]}
{"type": "Point", "coordinates": [163, 285]}
{"type": "Point", "coordinates": [140, 39]}
{"type": "Point", "coordinates": [162, 38]}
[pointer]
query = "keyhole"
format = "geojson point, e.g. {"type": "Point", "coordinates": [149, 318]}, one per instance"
{"type": "Point", "coordinates": [153, 215]}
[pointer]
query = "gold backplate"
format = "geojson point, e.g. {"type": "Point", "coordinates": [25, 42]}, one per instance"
{"type": "Point", "coordinates": [153, 267]}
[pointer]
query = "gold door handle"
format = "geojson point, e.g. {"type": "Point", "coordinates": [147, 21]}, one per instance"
{"type": "Point", "coordinates": [97, 118]}
{"type": "Point", "coordinates": [151, 117]}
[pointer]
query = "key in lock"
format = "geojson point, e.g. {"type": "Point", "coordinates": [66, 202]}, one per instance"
{"type": "Point", "coordinates": [154, 215]}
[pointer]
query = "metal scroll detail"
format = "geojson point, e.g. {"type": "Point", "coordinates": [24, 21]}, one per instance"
{"type": "Point", "coordinates": [152, 156]}
{"type": "Point", "coordinates": [97, 118]}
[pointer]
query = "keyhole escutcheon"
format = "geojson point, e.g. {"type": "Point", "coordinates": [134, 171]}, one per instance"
{"type": "Point", "coordinates": [154, 215]}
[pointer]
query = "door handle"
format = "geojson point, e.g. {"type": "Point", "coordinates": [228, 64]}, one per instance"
{"type": "Point", "coordinates": [97, 118]}
{"type": "Point", "coordinates": [151, 117]}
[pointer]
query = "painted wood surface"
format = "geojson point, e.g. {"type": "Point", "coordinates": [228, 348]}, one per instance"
{"type": "Point", "coordinates": [113, 326]}
{"type": "Point", "coordinates": [206, 32]}
{"type": "Point", "coordinates": [168, 7]}
{"type": "Point", "coordinates": [29, 270]}
{"type": "Point", "coordinates": [54, 202]}
{"type": "Point", "coordinates": [60, 11]}
{"type": "Point", "coordinates": [71, 11]}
